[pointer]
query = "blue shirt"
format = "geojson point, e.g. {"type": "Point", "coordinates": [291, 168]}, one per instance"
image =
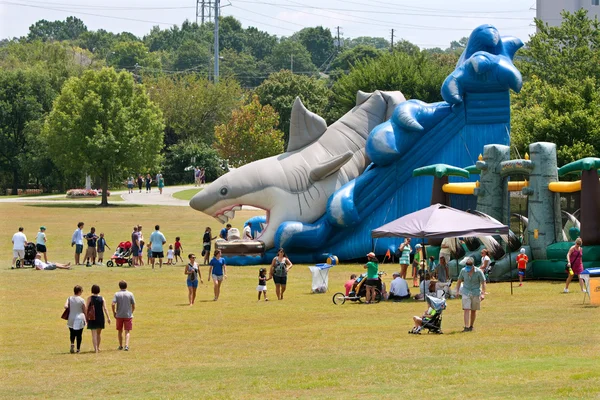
{"type": "Point", "coordinates": [157, 239]}
{"type": "Point", "coordinates": [217, 266]}
{"type": "Point", "coordinates": [471, 283]}
{"type": "Point", "coordinates": [223, 233]}
{"type": "Point", "coordinates": [101, 244]}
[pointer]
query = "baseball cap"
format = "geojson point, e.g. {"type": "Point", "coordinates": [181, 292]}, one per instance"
{"type": "Point", "coordinates": [42, 228]}
{"type": "Point", "coordinates": [371, 254]}
{"type": "Point", "coordinates": [522, 250]}
{"type": "Point", "coordinates": [418, 245]}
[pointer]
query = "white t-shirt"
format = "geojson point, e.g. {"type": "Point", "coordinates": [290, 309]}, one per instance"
{"type": "Point", "coordinates": [399, 287]}
{"type": "Point", "coordinates": [19, 239]}
{"type": "Point", "coordinates": [39, 264]}
{"type": "Point", "coordinates": [483, 261]}
{"type": "Point", "coordinates": [247, 233]}
{"type": "Point", "coordinates": [77, 237]}
{"type": "Point", "coordinates": [40, 238]}
{"type": "Point", "coordinates": [170, 253]}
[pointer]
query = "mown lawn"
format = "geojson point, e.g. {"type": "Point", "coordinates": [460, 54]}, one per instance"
{"type": "Point", "coordinates": [186, 194]}
{"type": "Point", "coordinates": [537, 343]}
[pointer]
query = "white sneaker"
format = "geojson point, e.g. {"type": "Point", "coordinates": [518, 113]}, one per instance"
{"type": "Point", "coordinates": [566, 290]}
{"type": "Point", "coordinates": [584, 291]}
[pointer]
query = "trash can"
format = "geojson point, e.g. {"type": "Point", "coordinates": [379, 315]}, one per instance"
{"type": "Point", "coordinates": [320, 277]}
{"type": "Point", "coordinates": [591, 278]}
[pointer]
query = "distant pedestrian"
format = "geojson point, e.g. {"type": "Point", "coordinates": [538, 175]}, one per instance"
{"type": "Point", "coordinates": [148, 183]}
{"type": "Point", "coordinates": [224, 232]}
{"type": "Point", "coordinates": [279, 272]}
{"type": "Point", "coordinates": [206, 244]}
{"type": "Point", "coordinates": [161, 183]}
{"type": "Point", "coordinates": [130, 184]}
{"type": "Point", "coordinates": [217, 271]}
{"type": "Point", "coordinates": [193, 276]}
{"type": "Point", "coordinates": [178, 249]}
{"type": "Point", "coordinates": [247, 235]}
{"type": "Point", "coordinates": [140, 182]}
{"type": "Point", "coordinates": [473, 292]}
{"type": "Point", "coordinates": [97, 324]}
{"type": "Point", "coordinates": [135, 245]}
{"type": "Point", "coordinates": [77, 241]}
{"type": "Point", "coordinates": [522, 260]}
{"type": "Point", "coordinates": [262, 283]}
{"type": "Point", "coordinates": [76, 322]}
{"type": "Point", "coordinates": [170, 255]}
{"type": "Point", "coordinates": [90, 252]}
{"type": "Point", "coordinates": [101, 247]}
{"type": "Point", "coordinates": [19, 240]}
{"type": "Point", "coordinates": [40, 242]}
{"type": "Point", "coordinates": [123, 306]}
{"type": "Point", "coordinates": [575, 264]}
{"type": "Point", "coordinates": [157, 241]}
{"type": "Point", "coordinates": [404, 253]}
{"type": "Point", "coordinates": [197, 176]}
{"type": "Point", "coordinates": [202, 176]}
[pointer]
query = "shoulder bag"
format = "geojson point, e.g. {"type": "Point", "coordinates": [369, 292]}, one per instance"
{"type": "Point", "coordinates": [65, 314]}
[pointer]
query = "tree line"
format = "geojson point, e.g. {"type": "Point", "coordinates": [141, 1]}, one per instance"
{"type": "Point", "coordinates": [75, 101]}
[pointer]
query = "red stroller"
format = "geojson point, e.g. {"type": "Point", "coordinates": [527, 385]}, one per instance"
{"type": "Point", "coordinates": [122, 256]}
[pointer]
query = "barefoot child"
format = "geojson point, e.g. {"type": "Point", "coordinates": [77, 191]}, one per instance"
{"type": "Point", "coordinates": [262, 283]}
{"type": "Point", "coordinates": [149, 254]}
{"type": "Point", "coordinates": [101, 245]}
{"type": "Point", "coordinates": [170, 254]}
{"type": "Point", "coordinates": [178, 249]}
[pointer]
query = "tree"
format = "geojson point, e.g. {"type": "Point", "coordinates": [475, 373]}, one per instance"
{"type": "Point", "coordinates": [244, 68]}
{"type": "Point", "coordinates": [69, 29]}
{"type": "Point", "coordinates": [193, 106]}
{"type": "Point", "coordinates": [259, 44]}
{"type": "Point", "coordinates": [350, 57]}
{"type": "Point", "coordinates": [25, 96]}
{"type": "Point", "coordinates": [281, 89]}
{"type": "Point", "coordinates": [250, 134]}
{"type": "Point", "coordinates": [231, 34]}
{"type": "Point", "coordinates": [566, 114]}
{"type": "Point", "coordinates": [318, 41]}
{"type": "Point", "coordinates": [418, 77]}
{"type": "Point", "coordinates": [179, 157]}
{"type": "Point", "coordinates": [404, 46]}
{"type": "Point", "coordinates": [292, 55]}
{"type": "Point", "coordinates": [377, 42]}
{"type": "Point", "coordinates": [192, 54]}
{"type": "Point", "coordinates": [132, 56]}
{"type": "Point", "coordinates": [458, 46]}
{"type": "Point", "coordinates": [105, 124]}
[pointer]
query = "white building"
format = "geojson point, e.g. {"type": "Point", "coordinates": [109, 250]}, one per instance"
{"type": "Point", "coordinates": [549, 10]}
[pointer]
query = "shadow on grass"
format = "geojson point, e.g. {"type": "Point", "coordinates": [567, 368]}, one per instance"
{"type": "Point", "coordinates": [82, 205]}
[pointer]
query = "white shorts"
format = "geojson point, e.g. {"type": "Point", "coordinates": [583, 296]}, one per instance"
{"type": "Point", "coordinates": [261, 288]}
{"type": "Point", "coordinates": [471, 303]}
{"type": "Point", "coordinates": [18, 253]}
{"type": "Point", "coordinates": [217, 277]}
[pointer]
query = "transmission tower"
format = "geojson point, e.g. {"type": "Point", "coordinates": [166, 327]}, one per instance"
{"type": "Point", "coordinates": [204, 11]}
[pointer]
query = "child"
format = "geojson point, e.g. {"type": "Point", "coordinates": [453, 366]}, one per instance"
{"type": "Point", "coordinates": [432, 264]}
{"type": "Point", "coordinates": [149, 255]}
{"type": "Point", "coordinates": [141, 254]}
{"type": "Point", "coordinates": [178, 250]}
{"type": "Point", "coordinates": [170, 254]}
{"type": "Point", "coordinates": [419, 321]}
{"type": "Point", "coordinates": [262, 283]}
{"type": "Point", "coordinates": [101, 244]}
{"type": "Point", "coordinates": [522, 260]}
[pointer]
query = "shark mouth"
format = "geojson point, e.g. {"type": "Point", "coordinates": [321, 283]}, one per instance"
{"type": "Point", "coordinates": [226, 214]}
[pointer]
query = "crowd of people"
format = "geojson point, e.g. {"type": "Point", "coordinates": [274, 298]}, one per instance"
{"type": "Point", "coordinates": [145, 181]}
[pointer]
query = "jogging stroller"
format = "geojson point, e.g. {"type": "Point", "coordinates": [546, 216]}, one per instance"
{"type": "Point", "coordinates": [359, 291]}
{"type": "Point", "coordinates": [29, 259]}
{"type": "Point", "coordinates": [122, 256]}
{"type": "Point", "coordinates": [433, 323]}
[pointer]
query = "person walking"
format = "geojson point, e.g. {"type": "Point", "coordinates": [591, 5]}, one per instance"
{"type": "Point", "coordinates": [102, 246]}
{"type": "Point", "coordinates": [90, 252]}
{"type": "Point", "coordinates": [193, 276]}
{"type": "Point", "coordinates": [522, 261]}
{"type": "Point", "coordinates": [97, 324]}
{"type": "Point", "coordinates": [575, 264]}
{"type": "Point", "coordinates": [142, 242]}
{"type": "Point", "coordinates": [202, 176]}
{"type": "Point", "coordinates": [135, 246]}
{"type": "Point", "coordinates": [140, 182]}
{"type": "Point", "coordinates": [217, 271]}
{"type": "Point", "coordinates": [77, 241]}
{"type": "Point", "coordinates": [372, 267]}
{"type": "Point", "coordinates": [161, 183]}
{"type": "Point", "coordinates": [473, 292]}
{"type": "Point", "coordinates": [405, 251]}
{"type": "Point", "coordinates": [76, 322]}
{"type": "Point", "coordinates": [123, 306]}
{"type": "Point", "coordinates": [157, 241]}
{"type": "Point", "coordinates": [148, 183]}
{"type": "Point", "coordinates": [206, 244]}
{"type": "Point", "coordinates": [19, 240]}
{"type": "Point", "coordinates": [280, 267]}
{"type": "Point", "coordinates": [40, 242]}
{"type": "Point", "coordinates": [130, 185]}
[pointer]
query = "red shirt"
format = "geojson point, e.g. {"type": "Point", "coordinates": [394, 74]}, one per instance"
{"type": "Point", "coordinates": [177, 245]}
{"type": "Point", "coordinates": [348, 285]}
{"type": "Point", "coordinates": [522, 261]}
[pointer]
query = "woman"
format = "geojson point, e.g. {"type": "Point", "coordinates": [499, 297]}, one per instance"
{"type": "Point", "coordinates": [148, 183]}
{"type": "Point", "coordinates": [40, 242]}
{"type": "Point", "coordinates": [76, 321]}
{"type": "Point", "coordinates": [217, 271]}
{"type": "Point", "coordinates": [140, 182]}
{"type": "Point", "coordinates": [405, 250]}
{"type": "Point", "coordinates": [130, 185]}
{"type": "Point", "coordinates": [161, 183]}
{"type": "Point", "coordinates": [97, 324]}
{"type": "Point", "coordinates": [206, 244]}
{"type": "Point", "coordinates": [279, 271]}
{"type": "Point", "coordinates": [193, 275]}
{"type": "Point", "coordinates": [575, 264]}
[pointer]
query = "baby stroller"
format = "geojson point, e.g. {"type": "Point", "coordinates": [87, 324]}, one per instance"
{"type": "Point", "coordinates": [359, 291]}
{"type": "Point", "coordinates": [29, 259]}
{"type": "Point", "coordinates": [122, 256]}
{"type": "Point", "coordinates": [433, 323]}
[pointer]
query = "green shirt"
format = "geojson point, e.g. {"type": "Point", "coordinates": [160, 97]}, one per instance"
{"type": "Point", "coordinates": [372, 268]}
{"type": "Point", "coordinates": [471, 283]}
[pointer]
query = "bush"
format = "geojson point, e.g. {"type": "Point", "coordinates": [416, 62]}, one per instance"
{"type": "Point", "coordinates": [71, 193]}
{"type": "Point", "coordinates": [178, 161]}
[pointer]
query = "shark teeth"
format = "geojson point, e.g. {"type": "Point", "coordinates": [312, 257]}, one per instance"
{"type": "Point", "coordinates": [229, 214]}
{"type": "Point", "coordinates": [222, 218]}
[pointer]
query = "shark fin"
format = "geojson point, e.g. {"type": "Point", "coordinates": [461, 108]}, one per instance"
{"type": "Point", "coordinates": [361, 97]}
{"type": "Point", "coordinates": [324, 169]}
{"type": "Point", "coordinates": [305, 126]}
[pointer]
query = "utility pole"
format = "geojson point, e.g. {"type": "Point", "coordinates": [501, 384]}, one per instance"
{"type": "Point", "coordinates": [204, 11]}
{"type": "Point", "coordinates": [217, 5]}
{"type": "Point", "coordinates": [392, 48]}
{"type": "Point", "coordinates": [292, 62]}
{"type": "Point", "coordinates": [339, 43]}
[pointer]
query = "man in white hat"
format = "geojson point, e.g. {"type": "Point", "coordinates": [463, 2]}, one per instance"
{"type": "Point", "coordinates": [372, 267]}
{"type": "Point", "coordinates": [522, 260]}
{"type": "Point", "coordinates": [398, 288]}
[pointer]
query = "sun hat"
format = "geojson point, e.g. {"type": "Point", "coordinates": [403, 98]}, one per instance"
{"type": "Point", "coordinates": [522, 250]}
{"type": "Point", "coordinates": [42, 228]}
{"type": "Point", "coordinates": [418, 245]}
{"type": "Point", "coordinates": [371, 254]}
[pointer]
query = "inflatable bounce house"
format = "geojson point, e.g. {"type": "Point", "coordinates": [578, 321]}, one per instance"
{"type": "Point", "coordinates": [388, 157]}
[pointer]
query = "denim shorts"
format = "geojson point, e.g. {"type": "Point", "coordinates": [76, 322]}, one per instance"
{"type": "Point", "coordinates": [193, 283]}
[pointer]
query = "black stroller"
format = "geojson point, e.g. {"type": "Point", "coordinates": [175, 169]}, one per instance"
{"type": "Point", "coordinates": [29, 259]}
{"type": "Point", "coordinates": [433, 323]}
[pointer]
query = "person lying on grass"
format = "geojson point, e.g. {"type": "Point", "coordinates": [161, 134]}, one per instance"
{"type": "Point", "coordinates": [40, 265]}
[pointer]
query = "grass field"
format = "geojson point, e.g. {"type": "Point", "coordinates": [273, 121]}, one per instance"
{"type": "Point", "coordinates": [186, 194]}
{"type": "Point", "coordinates": [536, 343]}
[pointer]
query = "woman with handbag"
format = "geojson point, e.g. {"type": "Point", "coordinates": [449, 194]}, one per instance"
{"type": "Point", "coordinates": [76, 320]}
{"type": "Point", "coordinates": [575, 264]}
{"type": "Point", "coordinates": [96, 310]}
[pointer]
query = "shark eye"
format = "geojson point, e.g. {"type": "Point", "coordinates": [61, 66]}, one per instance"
{"type": "Point", "coordinates": [223, 191]}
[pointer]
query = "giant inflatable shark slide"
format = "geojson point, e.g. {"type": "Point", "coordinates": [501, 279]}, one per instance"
{"type": "Point", "coordinates": [336, 183]}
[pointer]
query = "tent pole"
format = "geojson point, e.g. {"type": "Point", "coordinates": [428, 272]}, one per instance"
{"type": "Point", "coordinates": [510, 269]}
{"type": "Point", "coordinates": [424, 261]}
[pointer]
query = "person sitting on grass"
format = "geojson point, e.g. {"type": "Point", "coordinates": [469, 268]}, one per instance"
{"type": "Point", "coordinates": [424, 318]}
{"type": "Point", "coordinates": [399, 288]}
{"type": "Point", "coordinates": [40, 265]}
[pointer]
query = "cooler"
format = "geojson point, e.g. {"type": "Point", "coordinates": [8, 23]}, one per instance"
{"type": "Point", "coordinates": [591, 278]}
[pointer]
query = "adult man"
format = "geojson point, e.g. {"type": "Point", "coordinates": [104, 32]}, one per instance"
{"type": "Point", "coordinates": [157, 240]}
{"type": "Point", "coordinates": [473, 292]}
{"type": "Point", "coordinates": [77, 241]}
{"type": "Point", "coordinates": [372, 267]}
{"type": "Point", "coordinates": [90, 252]}
{"type": "Point", "coordinates": [225, 231]}
{"type": "Point", "coordinates": [135, 245]}
{"type": "Point", "coordinates": [19, 240]}
{"type": "Point", "coordinates": [125, 306]}
{"type": "Point", "coordinates": [399, 288]}
{"type": "Point", "coordinates": [197, 176]}
{"type": "Point", "coordinates": [248, 232]}
{"type": "Point", "coordinates": [40, 242]}
{"type": "Point", "coordinates": [40, 265]}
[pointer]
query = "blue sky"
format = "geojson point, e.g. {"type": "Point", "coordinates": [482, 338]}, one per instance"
{"type": "Point", "coordinates": [433, 23]}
